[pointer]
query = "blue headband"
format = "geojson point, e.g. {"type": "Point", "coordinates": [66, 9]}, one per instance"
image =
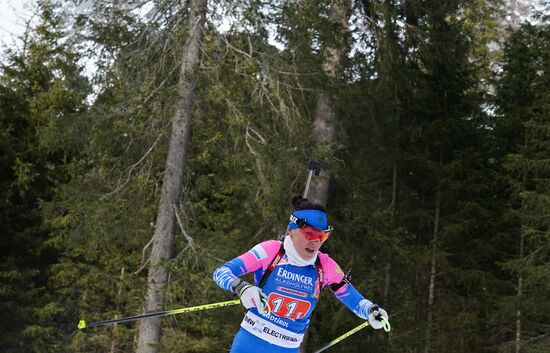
{"type": "Point", "coordinates": [314, 218]}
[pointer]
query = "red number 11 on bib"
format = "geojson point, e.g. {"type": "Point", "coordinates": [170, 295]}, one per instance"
{"type": "Point", "coordinates": [290, 308]}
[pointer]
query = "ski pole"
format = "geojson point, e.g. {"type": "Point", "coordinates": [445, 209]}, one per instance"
{"type": "Point", "coordinates": [314, 167]}
{"type": "Point", "coordinates": [387, 328]}
{"type": "Point", "coordinates": [82, 324]}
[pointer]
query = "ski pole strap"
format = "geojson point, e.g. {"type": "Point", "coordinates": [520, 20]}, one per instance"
{"type": "Point", "coordinates": [82, 323]}
{"type": "Point", "coordinates": [264, 308]}
{"type": "Point", "coordinates": [386, 323]}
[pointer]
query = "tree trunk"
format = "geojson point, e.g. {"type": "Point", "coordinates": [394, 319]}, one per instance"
{"type": "Point", "coordinates": [520, 278]}
{"type": "Point", "coordinates": [323, 134]}
{"type": "Point", "coordinates": [163, 244]}
{"type": "Point", "coordinates": [520, 290]}
{"type": "Point", "coordinates": [324, 122]}
{"type": "Point", "coordinates": [431, 290]}
{"type": "Point", "coordinates": [115, 330]}
{"type": "Point", "coordinates": [387, 280]}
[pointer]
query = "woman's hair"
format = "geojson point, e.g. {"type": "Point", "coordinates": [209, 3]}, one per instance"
{"type": "Point", "coordinates": [300, 203]}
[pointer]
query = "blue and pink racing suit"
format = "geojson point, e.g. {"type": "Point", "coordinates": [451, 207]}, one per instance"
{"type": "Point", "coordinates": [292, 294]}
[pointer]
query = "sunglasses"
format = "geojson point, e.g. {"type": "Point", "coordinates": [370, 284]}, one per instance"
{"type": "Point", "coordinates": [314, 233]}
{"type": "Point", "coordinates": [310, 232]}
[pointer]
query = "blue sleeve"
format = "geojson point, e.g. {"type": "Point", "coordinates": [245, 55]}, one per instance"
{"type": "Point", "coordinates": [228, 272]}
{"type": "Point", "coordinates": [354, 301]}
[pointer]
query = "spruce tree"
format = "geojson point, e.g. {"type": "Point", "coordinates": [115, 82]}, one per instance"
{"type": "Point", "coordinates": [523, 128]}
{"type": "Point", "coordinates": [43, 92]}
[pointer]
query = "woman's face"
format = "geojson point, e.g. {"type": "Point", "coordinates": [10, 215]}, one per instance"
{"type": "Point", "coordinates": [305, 248]}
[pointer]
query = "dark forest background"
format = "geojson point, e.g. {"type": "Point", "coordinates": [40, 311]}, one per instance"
{"type": "Point", "coordinates": [431, 120]}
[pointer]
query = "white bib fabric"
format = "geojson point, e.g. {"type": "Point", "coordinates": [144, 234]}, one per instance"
{"type": "Point", "coordinates": [261, 327]}
{"type": "Point", "coordinates": [293, 257]}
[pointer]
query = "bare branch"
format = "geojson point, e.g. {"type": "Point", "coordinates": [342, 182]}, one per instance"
{"type": "Point", "coordinates": [190, 241]}
{"type": "Point", "coordinates": [143, 261]}
{"type": "Point", "coordinates": [121, 184]}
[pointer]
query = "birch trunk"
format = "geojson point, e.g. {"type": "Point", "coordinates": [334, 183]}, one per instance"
{"type": "Point", "coordinates": [163, 243]}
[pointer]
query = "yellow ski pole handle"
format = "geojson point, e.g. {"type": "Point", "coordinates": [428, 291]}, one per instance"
{"type": "Point", "coordinates": [82, 324]}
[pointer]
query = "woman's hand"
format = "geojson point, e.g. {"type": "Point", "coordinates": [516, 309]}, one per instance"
{"type": "Point", "coordinates": [251, 296]}
{"type": "Point", "coordinates": [376, 317]}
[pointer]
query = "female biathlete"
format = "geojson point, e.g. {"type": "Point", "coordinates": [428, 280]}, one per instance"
{"type": "Point", "coordinates": [288, 278]}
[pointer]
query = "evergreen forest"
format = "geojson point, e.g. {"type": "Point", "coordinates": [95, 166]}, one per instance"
{"type": "Point", "coordinates": [145, 143]}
